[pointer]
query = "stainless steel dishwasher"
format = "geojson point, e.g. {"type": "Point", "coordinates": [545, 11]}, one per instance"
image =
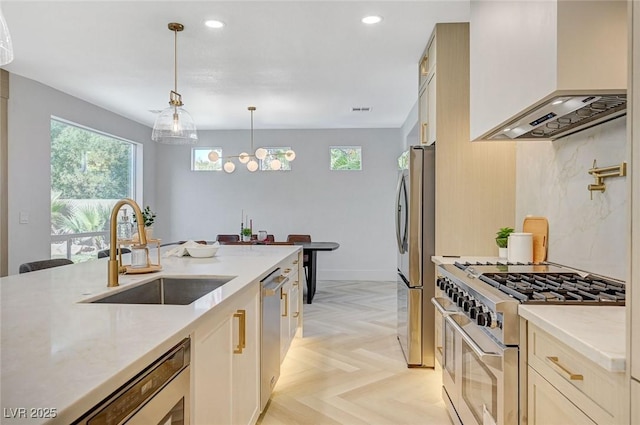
{"type": "Point", "coordinates": [270, 334]}
{"type": "Point", "coordinates": [157, 395]}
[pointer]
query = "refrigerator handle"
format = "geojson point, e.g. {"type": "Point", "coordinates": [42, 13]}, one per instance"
{"type": "Point", "coordinates": [400, 233]}
{"type": "Point", "coordinates": [399, 237]}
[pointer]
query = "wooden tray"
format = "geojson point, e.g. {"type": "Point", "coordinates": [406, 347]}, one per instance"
{"type": "Point", "coordinates": [152, 268]}
{"type": "Point", "coordinates": [539, 228]}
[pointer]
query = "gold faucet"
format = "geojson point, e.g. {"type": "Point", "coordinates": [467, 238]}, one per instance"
{"type": "Point", "coordinates": [114, 267]}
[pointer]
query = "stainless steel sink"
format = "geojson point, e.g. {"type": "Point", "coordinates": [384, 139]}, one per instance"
{"type": "Point", "coordinates": [166, 290]}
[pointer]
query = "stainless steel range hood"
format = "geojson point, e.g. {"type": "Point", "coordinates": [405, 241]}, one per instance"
{"type": "Point", "coordinates": [561, 116]}
{"type": "Point", "coordinates": [572, 77]}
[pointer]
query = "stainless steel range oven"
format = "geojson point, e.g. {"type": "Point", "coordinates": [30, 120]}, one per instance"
{"type": "Point", "coordinates": [480, 330]}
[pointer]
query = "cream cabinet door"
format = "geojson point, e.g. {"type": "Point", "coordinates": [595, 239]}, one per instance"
{"type": "Point", "coordinates": [423, 112]}
{"type": "Point", "coordinates": [294, 310]}
{"type": "Point", "coordinates": [212, 375]}
{"type": "Point", "coordinates": [431, 110]}
{"type": "Point", "coordinates": [285, 319]}
{"type": "Point", "coordinates": [246, 363]}
{"type": "Point", "coordinates": [547, 406]}
{"type": "Point", "coordinates": [226, 363]}
{"type": "Point", "coordinates": [635, 406]}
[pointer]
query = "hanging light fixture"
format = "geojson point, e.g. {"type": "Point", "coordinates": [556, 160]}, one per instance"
{"type": "Point", "coordinates": [6, 47]}
{"type": "Point", "coordinates": [174, 125]}
{"type": "Point", "coordinates": [251, 160]}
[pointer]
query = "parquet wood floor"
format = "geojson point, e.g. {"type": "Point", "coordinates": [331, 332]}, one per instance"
{"type": "Point", "coordinates": [349, 368]}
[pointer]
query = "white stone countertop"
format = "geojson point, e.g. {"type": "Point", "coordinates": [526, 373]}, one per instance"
{"type": "Point", "coordinates": [66, 355]}
{"type": "Point", "coordinates": [597, 332]}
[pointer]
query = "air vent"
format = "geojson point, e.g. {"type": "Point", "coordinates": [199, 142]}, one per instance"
{"type": "Point", "coordinates": [361, 109]}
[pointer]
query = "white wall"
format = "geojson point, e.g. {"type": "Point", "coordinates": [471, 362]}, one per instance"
{"type": "Point", "coordinates": [31, 106]}
{"type": "Point", "coordinates": [552, 180]}
{"type": "Point", "coordinates": [350, 207]}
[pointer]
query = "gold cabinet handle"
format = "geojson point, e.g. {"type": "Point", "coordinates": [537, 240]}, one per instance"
{"type": "Point", "coordinates": [295, 261]}
{"type": "Point", "coordinates": [285, 296]}
{"type": "Point", "coordinates": [555, 363]}
{"type": "Point", "coordinates": [295, 283]}
{"type": "Point", "coordinates": [296, 314]}
{"type": "Point", "coordinates": [423, 134]}
{"type": "Point", "coordinates": [423, 66]}
{"type": "Point", "coordinates": [287, 271]}
{"type": "Point", "coordinates": [242, 330]}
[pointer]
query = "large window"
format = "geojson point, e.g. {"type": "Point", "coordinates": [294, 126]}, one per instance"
{"type": "Point", "coordinates": [90, 172]}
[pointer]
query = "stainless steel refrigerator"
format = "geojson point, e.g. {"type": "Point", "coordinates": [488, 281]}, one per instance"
{"type": "Point", "coordinates": [415, 231]}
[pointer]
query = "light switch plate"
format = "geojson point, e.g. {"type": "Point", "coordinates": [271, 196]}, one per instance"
{"type": "Point", "coordinates": [24, 217]}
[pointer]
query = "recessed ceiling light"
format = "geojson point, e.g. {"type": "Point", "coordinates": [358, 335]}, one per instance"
{"type": "Point", "coordinates": [373, 19]}
{"type": "Point", "coordinates": [557, 102]}
{"type": "Point", "coordinates": [214, 24]}
{"type": "Point", "coordinates": [507, 129]}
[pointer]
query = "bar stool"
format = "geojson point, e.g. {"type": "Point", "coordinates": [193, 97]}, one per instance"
{"type": "Point", "coordinates": [43, 264]}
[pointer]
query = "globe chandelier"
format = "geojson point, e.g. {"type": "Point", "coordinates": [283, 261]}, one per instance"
{"type": "Point", "coordinates": [6, 47]}
{"type": "Point", "coordinates": [174, 125]}
{"type": "Point", "coordinates": [251, 160]}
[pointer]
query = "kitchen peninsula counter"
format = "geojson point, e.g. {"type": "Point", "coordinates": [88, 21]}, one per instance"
{"type": "Point", "coordinates": [596, 332]}
{"type": "Point", "coordinates": [61, 353]}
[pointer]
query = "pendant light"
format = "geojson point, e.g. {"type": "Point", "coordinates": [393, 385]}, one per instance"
{"type": "Point", "coordinates": [174, 125]}
{"type": "Point", "coordinates": [6, 47]}
{"type": "Point", "coordinates": [251, 159]}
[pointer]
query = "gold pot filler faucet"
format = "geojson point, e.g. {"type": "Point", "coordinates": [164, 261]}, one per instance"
{"type": "Point", "coordinates": [113, 269]}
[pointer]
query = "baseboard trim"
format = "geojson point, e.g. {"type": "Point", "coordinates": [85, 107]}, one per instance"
{"type": "Point", "coordinates": [372, 275]}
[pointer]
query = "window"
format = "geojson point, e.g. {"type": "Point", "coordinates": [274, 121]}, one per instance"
{"type": "Point", "coordinates": [346, 158]}
{"type": "Point", "coordinates": [403, 161]}
{"type": "Point", "coordinates": [90, 172]}
{"type": "Point", "coordinates": [201, 159]}
{"type": "Point", "coordinates": [268, 164]}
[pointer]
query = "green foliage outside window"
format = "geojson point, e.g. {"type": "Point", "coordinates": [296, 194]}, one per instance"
{"type": "Point", "coordinates": [346, 158]}
{"type": "Point", "coordinates": [88, 165]}
{"type": "Point", "coordinates": [200, 159]}
{"type": "Point", "coordinates": [89, 173]}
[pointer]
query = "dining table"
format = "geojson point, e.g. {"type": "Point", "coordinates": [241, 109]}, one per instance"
{"type": "Point", "coordinates": [310, 249]}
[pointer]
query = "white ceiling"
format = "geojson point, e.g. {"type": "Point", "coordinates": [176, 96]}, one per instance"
{"type": "Point", "coordinates": [304, 64]}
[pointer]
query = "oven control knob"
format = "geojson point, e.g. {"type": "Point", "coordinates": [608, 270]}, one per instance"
{"type": "Point", "coordinates": [441, 282]}
{"type": "Point", "coordinates": [473, 312]}
{"type": "Point", "coordinates": [450, 291]}
{"type": "Point", "coordinates": [468, 304]}
{"type": "Point", "coordinates": [482, 319]}
{"type": "Point", "coordinates": [455, 295]}
{"type": "Point", "coordinates": [461, 300]}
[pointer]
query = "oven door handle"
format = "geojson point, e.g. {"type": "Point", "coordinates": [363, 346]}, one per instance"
{"type": "Point", "coordinates": [436, 301]}
{"type": "Point", "coordinates": [484, 355]}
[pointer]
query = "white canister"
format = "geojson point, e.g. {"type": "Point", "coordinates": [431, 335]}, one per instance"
{"type": "Point", "coordinates": [520, 248]}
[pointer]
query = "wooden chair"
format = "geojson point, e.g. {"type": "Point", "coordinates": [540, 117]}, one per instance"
{"type": "Point", "coordinates": [105, 252]}
{"type": "Point", "coordinates": [305, 262]}
{"type": "Point", "coordinates": [227, 238]}
{"type": "Point", "coordinates": [43, 264]}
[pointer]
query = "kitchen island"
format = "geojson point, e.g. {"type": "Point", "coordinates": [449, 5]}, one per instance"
{"type": "Point", "coordinates": [59, 352]}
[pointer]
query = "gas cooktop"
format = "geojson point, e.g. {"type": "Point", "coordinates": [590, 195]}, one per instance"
{"type": "Point", "coordinates": [546, 283]}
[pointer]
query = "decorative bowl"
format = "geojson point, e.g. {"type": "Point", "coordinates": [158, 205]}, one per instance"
{"type": "Point", "coordinates": [202, 251]}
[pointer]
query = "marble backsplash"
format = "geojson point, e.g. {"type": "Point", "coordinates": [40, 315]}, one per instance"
{"type": "Point", "coordinates": [552, 180]}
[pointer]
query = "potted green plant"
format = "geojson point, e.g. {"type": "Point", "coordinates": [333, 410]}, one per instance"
{"type": "Point", "coordinates": [149, 218]}
{"type": "Point", "coordinates": [502, 239]}
{"type": "Point", "coordinates": [246, 234]}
